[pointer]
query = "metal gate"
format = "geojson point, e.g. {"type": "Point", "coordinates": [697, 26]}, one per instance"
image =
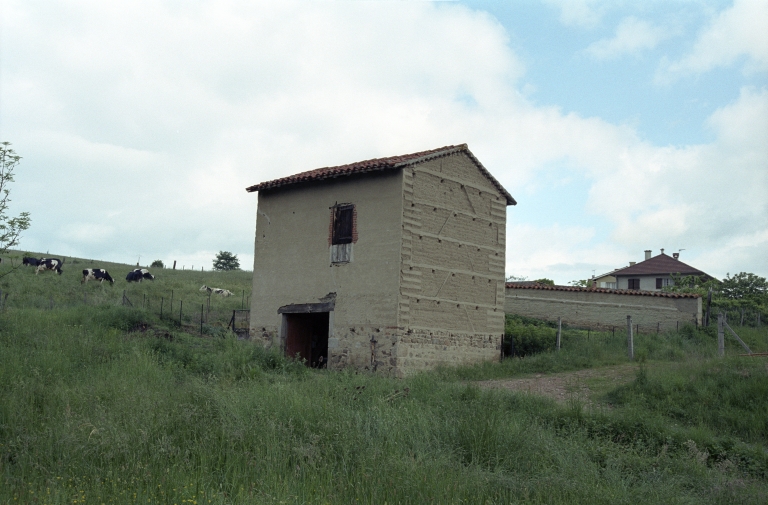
{"type": "Point", "coordinates": [240, 323]}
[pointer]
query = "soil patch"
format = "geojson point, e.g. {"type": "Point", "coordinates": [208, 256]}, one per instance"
{"type": "Point", "coordinates": [582, 385]}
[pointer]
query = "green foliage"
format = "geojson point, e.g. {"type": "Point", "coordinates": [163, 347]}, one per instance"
{"type": "Point", "coordinates": [10, 227]}
{"type": "Point", "coordinates": [528, 336]}
{"type": "Point", "coordinates": [749, 290]}
{"type": "Point", "coordinates": [579, 283]}
{"type": "Point", "coordinates": [157, 264]}
{"type": "Point", "coordinates": [225, 260]}
{"type": "Point", "coordinates": [742, 291]}
{"type": "Point", "coordinates": [548, 282]}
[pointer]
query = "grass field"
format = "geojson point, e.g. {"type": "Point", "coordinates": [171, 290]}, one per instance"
{"type": "Point", "coordinates": [173, 289]}
{"type": "Point", "coordinates": [102, 403]}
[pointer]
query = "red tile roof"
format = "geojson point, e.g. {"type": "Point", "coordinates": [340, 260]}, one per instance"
{"type": "Point", "coordinates": [547, 287]}
{"type": "Point", "coordinates": [659, 265]}
{"type": "Point", "coordinates": [380, 164]}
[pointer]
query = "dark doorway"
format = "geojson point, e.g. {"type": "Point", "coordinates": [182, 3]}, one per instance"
{"type": "Point", "coordinates": [306, 337]}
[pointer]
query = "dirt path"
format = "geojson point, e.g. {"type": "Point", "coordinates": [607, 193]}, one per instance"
{"type": "Point", "coordinates": [582, 385]}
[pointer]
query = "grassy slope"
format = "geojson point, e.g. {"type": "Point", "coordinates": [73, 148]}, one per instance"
{"type": "Point", "coordinates": [27, 290]}
{"type": "Point", "coordinates": [93, 412]}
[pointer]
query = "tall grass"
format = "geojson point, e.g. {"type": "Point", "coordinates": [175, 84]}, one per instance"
{"type": "Point", "coordinates": [108, 405]}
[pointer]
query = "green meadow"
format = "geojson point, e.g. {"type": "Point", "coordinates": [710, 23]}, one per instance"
{"type": "Point", "coordinates": [101, 402]}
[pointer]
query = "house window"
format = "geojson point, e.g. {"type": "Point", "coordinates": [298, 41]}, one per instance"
{"type": "Point", "coordinates": [633, 284]}
{"type": "Point", "coordinates": [658, 282]}
{"type": "Point", "coordinates": [343, 232]}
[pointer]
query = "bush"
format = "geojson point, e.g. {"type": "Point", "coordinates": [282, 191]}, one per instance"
{"type": "Point", "coordinates": [157, 264]}
{"type": "Point", "coordinates": [529, 336]}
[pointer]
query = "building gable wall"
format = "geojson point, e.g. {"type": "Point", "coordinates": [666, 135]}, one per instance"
{"type": "Point", "coordinates": [452, 277]}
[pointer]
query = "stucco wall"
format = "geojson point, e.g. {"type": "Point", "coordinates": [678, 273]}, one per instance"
{"type": "Point", "coordinates": [603, 310]}
{"type": "Point", "coordinates": [452, 288]}
{"type": "Point", "coordinates": [647, 282]}
{"type": "Point", "coordinates": [292, 263]}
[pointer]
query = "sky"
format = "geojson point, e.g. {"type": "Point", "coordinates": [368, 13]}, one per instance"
{"type": "Point", "coordinates": [617, 126]}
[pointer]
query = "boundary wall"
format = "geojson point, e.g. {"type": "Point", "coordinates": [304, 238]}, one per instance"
{"type": "Point", "coordinates": [603, 308]}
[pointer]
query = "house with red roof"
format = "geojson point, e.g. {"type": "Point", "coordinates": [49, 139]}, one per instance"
{"type": "Point", "coordinates": [391, 264]}
{"type": "Point", "coordinates": [655, 273]}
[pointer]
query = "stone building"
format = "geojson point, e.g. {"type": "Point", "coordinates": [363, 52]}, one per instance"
{"type": "Point", "coordinates": [392, 264]}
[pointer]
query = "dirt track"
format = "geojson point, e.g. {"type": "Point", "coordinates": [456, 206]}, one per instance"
{"type": "Point", "coordinates": [583, 385]}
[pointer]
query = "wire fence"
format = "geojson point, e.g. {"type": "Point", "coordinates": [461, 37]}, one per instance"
{"type": "Point", "coordinates": [207, 313]}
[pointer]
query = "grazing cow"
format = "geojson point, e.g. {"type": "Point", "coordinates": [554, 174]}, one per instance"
{"type": "Point", "coordinates": [217, 291]}
{"type": "Point", "coordinates": [49, 264]}
{"type": "Point", "coordinates": [30, 261]}
{"type": "Point", "coordinates": [96, 274]}
{"type": "Point", "coordinates": [138, 275]}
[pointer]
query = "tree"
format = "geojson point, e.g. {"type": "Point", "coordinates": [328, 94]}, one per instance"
{"type": "Point", "coordinates": [157, 264]}
{"type": "Point", "coordinates": [225, 260]}
{"type": "Point", "coordinates": [548, 282]}
{"type": "Point", "coordinates": [579, 283]}
{"type": "Point", "coordinates": [10, 227]}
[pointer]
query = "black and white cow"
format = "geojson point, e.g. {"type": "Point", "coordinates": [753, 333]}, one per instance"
{"type": "Point", "coordinates": [217, 291]}
{"type": "Point", "coordinates": [30, 261]}
{"type": "Point", "coordinates": [49, 264]}
{"type": "Point", "coordinates": [138, 275]}
{"type": "Point", "coordinates": [96, 274]}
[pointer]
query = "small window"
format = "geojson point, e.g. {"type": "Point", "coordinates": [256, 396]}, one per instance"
{"type": "Point", "coordinates": [633, 284]}
{"type": "Point", "coordinates": [659, 282]}
{"type": "Point", "coordinates": [343, 232]}
{"type": "Point", "coordinates": [343, 224]}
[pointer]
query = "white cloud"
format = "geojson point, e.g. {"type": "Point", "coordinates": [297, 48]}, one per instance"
{"type": "Point", "coordinates": [739, 31]}
{"type": "Point", "coordinates": [584, 13]}
{"type": "Point", "coordinates": [151, 120]}
{"type": "Point", "coordinates": [632, 36]}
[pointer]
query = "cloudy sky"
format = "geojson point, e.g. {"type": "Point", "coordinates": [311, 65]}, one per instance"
{"type": "Point", "coordinates": [618, 126]}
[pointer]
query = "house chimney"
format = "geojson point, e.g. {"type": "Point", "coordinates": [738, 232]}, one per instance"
{"type": "Point", "coordinates": [632, 263]}
{"type": "Point", "coordinates": [676, 256]}
{"type": "Point", "coordinates": [647, 254]}
{"type": "Point", "coordinates": [662, 250]}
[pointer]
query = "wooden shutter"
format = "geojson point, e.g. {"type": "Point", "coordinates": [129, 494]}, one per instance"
{"type": "Point", "coordinates": [342, 225]}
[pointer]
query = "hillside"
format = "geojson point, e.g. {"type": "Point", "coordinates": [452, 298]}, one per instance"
{"type": "Point", "coordinates": [106, 403]}
{"type": "Point", "coordinates": [48, 289]}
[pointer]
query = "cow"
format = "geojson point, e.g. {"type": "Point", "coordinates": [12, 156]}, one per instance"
{"type": "Point", "coordinates": [217, 291]}
{"type": "Point", "coordinates": [138, 275]}
{"type": "Point", "coordinates": [49, 264]}
{"type": "Point", "coordinates": [96, 274]}
{"type": "Point", "coordinates": [30, 261]}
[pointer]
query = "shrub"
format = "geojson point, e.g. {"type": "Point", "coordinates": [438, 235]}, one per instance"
{"type": "Point", "coordinates": [157, 264]}
{"type": "Point", "coordinates": [529, 337]}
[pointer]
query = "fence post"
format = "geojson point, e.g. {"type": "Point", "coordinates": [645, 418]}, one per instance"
{"type": "Point", "coordinates": [709, 303]}
{"type": "Point", "coordinates": [174, 264]}
{"type": "Point", "coordinates": [171, 307]}
{"type": "Point", "coordinates": [658, 327]}
{"type": "Point", "coordinates": [720, 335]}
{"type": "Point", "coordinates": [630, 340]}
{"type": "Point", "coordinates": [559, 332]}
